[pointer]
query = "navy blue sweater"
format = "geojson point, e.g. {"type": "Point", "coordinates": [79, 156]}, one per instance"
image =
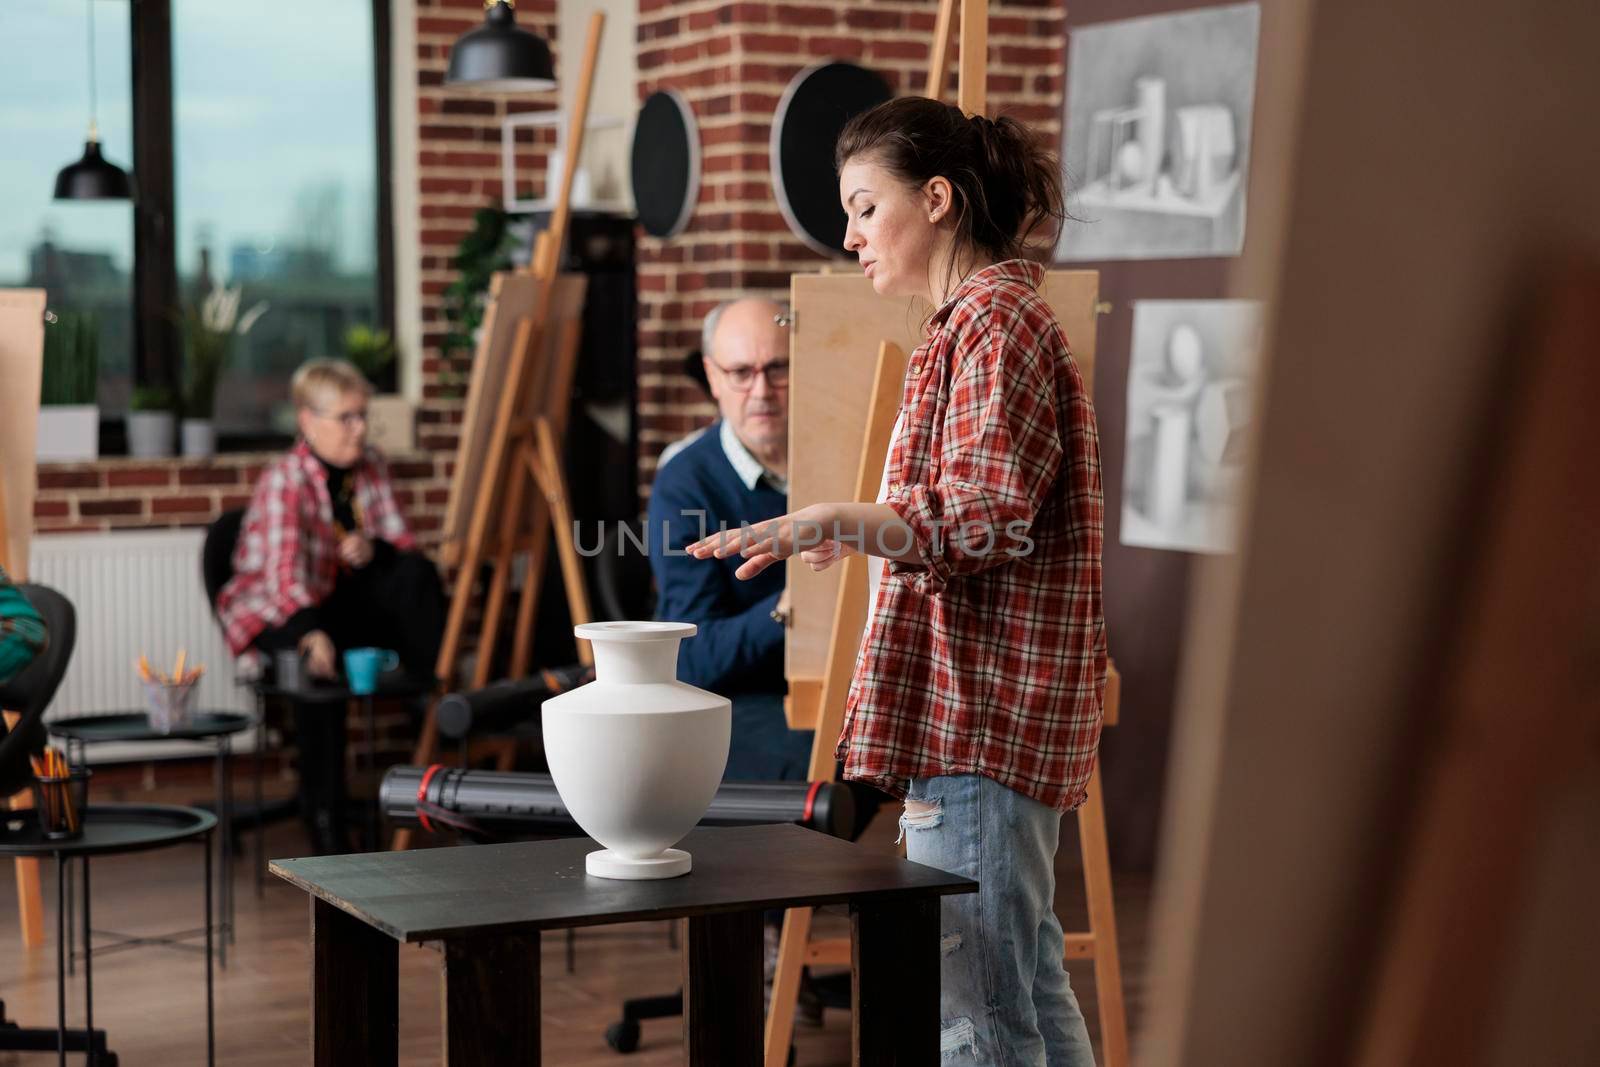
{"type": "Point", "coordinates": [739, 648]}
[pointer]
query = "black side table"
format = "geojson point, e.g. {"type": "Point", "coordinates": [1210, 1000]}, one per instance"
{"type": "Point", "coordinates": [488, 904]}
{"type": "Point", "coordinates": [391, 686]}
{"type": "Point", "coordinates": [215, 726]}
{"type": "Point", "coordinates": [108, 829]}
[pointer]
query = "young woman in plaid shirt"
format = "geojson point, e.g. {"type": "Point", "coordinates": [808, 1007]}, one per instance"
{"type": "Point", "coordinates": [977, 693]}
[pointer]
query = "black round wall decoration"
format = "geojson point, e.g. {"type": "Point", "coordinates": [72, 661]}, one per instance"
{"type": "Point", "coordinates": [665, 164]}
{"type": "Point", "coordinates": [813, 110]}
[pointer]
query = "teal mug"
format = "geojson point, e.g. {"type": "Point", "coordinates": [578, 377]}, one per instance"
{"type": "Point", "coordinates": [363, 665]}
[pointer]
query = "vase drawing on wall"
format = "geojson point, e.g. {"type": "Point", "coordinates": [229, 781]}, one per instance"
{"type": "Point", "coordinates": [636, 754]}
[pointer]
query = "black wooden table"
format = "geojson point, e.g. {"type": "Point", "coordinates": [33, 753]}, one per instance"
{"type": "Point", "coordinates": [488, 904]}
{"type": "Point", "coordinates": [217, 727]}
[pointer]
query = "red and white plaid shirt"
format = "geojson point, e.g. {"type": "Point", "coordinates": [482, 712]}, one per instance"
{"type": "Point", "coordinates": [988, 656]}
{"type": "Point", "coordinates": [287, 558]}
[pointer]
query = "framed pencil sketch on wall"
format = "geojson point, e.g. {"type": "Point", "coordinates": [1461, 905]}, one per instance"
{"type": "Point", "coordinates": [1190, 404]}
{"type": "Point", "coordinates": [1157, 145]}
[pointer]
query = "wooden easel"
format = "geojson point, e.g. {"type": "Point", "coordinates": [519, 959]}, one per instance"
{"type": "Point", "coordinates": [795, 948]}
{"type": "Point", "coordinates": [21, 361]}
{"type": "Point", "coordinates": [823, 706]}
{"type": "Point", "coordinates": [1524, 640]}
{"type": "Point", "coordinates": [516, 459]}
{"type": "Point", "coordinates": [30, 902]}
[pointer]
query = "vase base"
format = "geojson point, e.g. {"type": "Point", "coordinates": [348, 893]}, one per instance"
{"type": "Point", "coordinates": [672, 863]}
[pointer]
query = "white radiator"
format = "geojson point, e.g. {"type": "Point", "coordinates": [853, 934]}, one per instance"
{"type": "Point", "coordinates": [137, 591]}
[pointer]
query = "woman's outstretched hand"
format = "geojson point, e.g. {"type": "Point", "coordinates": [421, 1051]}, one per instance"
{"type": "Point", "coordinates": [804, 533]}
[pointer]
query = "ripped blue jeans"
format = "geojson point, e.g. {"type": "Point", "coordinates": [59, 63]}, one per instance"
{"type": "Point", "coordinates": [1004, 994]}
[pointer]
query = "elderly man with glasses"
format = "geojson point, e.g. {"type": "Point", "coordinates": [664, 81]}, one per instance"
{"type": "Point", "coordinates": [733, 472]}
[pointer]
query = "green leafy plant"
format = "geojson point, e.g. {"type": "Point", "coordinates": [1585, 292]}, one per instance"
{"type": "Point", "coordinates": [484, 250]}
{"type": "Point", "coordinates": [71, 358]}
{"type": "Point", "coordinates": [208, 332]}
{"type": "Point", "coordinates": [151, 398]}
{"type": "Point", "coordinates": [370, 350]}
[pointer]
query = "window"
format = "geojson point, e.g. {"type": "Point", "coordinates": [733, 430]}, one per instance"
{"type": "Point", "coordinates": [80, 253]}
{"type": "Point", "coordinates": [260, 139]}
{"type": "Point", "coordinates": [275, 168]}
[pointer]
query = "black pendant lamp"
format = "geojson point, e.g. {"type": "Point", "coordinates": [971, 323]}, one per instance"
{"type": "Point", "coordinates": [500, 57]}
{"type": "Point", "coordinates": [93, 177]}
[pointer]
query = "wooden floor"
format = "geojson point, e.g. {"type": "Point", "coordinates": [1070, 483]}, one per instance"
{"type": "Point", "coordinates": [151, 1000]}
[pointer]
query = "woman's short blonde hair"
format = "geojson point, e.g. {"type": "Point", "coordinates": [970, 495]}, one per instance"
{"type": "Point", "coordinates": [318, 379]}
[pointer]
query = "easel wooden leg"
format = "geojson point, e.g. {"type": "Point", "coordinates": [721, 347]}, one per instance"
{"type": "Point", "coordinates": [547, 461]}
{"type": "Point", "coordinates": [456, 623]}
{"type": "Point", "coordinates": [522, 641]}
{"type": "Point", "coordinates": [786, 985]}
{"type": "Point", "coordinates": [1102, 927]}
{"type": "Point", "coordinates": [523, 384]}
{"type": "Point", "coordinates": [30, 903]}
{"type": "Point", "coordinates": [494, 603]}
{"type": "Point", "coordinates": [844, 640]}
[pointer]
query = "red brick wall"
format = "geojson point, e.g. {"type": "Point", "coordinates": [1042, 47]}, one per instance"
{"type": "Point", "coordinates": [732, 61]}
{"type": "Point", "coordinates": [457, 171]}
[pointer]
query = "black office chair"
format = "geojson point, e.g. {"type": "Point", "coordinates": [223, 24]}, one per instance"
{"type": "Point", "coordinates": [216, 567]}
{"type": "Point", "coordinates": [216, 555]}
{"type": "Point", "coordinates": [29, 693]}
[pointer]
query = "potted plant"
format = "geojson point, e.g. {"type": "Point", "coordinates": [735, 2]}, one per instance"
{"type": "Point", "coordinates": [389, 418]}
{"type": "Point", "coordinates": [484, 250]}
{"type": "Point", "coordinates": [150, 422]}
{"type": "Point", "coordinates": [208, 333]}
{"type": "Point", "coordinates": [69, 419]}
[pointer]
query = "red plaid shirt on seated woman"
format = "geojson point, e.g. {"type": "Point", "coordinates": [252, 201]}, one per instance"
{"type": "Point", "coordinates": [287, 558]}
{"type": "Point", "coordinates": [988, 654]}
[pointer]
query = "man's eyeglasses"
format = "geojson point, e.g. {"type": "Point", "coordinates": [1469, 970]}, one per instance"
{"type": "Point", "coordinates": [743, 378]}
{"type": "Point", "coordinates": [349, 419]}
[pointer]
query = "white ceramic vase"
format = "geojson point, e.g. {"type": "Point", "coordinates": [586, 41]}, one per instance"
{"type": "Point", "coordinates": [636, 754]}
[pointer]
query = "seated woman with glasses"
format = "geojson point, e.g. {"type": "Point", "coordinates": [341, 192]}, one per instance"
{"type": "Point", "coordinates": [326, 563]}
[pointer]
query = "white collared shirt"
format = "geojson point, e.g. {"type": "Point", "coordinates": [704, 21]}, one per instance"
{"type": "Point", "coordinates": [746, 465]}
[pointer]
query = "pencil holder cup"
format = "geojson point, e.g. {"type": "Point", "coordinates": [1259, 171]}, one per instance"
{"type": "Point", "coordinates": [60, 802]}
{"type": "Point", "coordinates": [170, 705]}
